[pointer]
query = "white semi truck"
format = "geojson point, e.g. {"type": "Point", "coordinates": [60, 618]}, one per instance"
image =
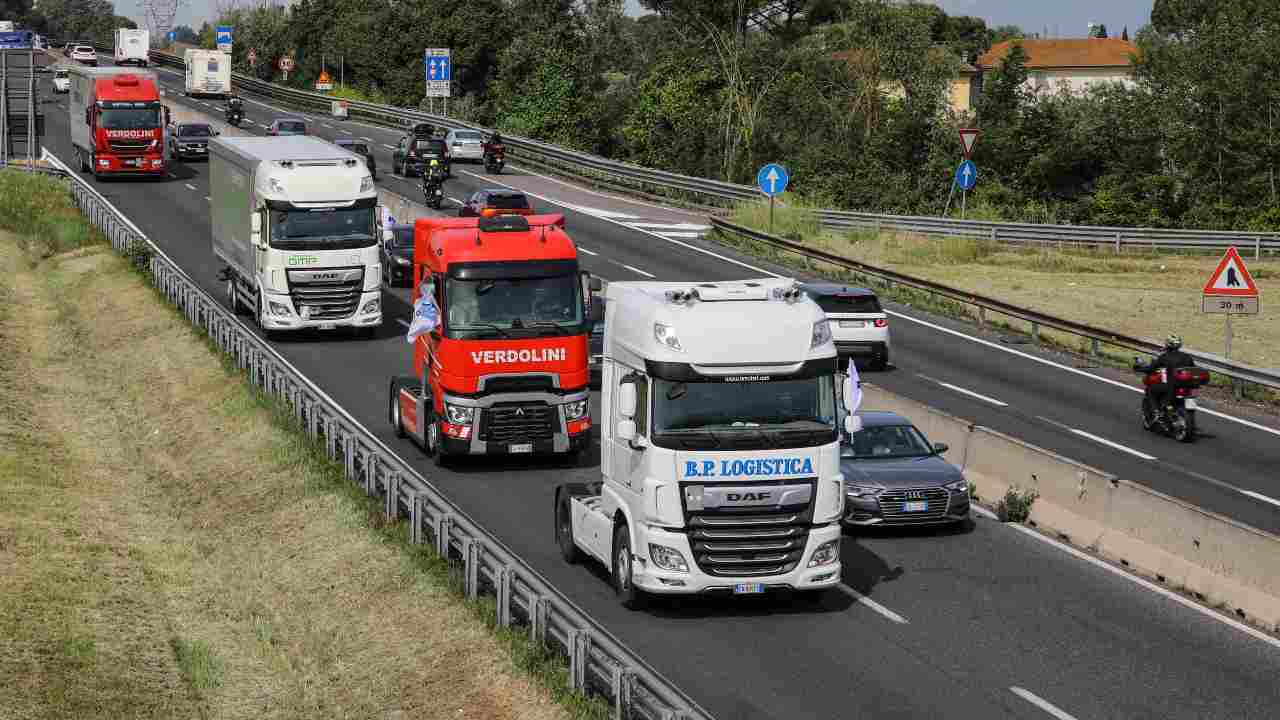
{"type": "Point", "coordinates": [295, 219]}
{"type": "Point", "coordinates": [133, 47]}
{"type": "Point", "coordinates": [208, 73]}
{"type": "Point", "coordinates": [719, 434]}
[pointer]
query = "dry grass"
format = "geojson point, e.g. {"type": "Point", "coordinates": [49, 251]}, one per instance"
{"type": "Point", "coordinates": [169, 552]}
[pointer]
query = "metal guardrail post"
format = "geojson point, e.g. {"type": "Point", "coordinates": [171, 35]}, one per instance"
{"type": "Point", "coordinates": [370, 474]}
{"type": "Point", "coordinates": [1035, 332]}
{"type": "Point", "coordinates": [622, 680]}
{"type": "Point", "coordinates": [579, 648]}
{"type": "Point", "coordinates": [443, 526]}
{"type": "Point", "coordinates": [391, 506]}
{"type": "Point", "coordinates": [417, 512]}
{"type": "Point", "coordinates": [506, 578]}
{"type": "Point", "coordinates": [471, 568]}
{"type": "Point", "coordinates": [538, 607]}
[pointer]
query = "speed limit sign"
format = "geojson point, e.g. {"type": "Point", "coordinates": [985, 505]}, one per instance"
{"type": "Point", "coordinates": [252, 56]}
{"type": "Point", "coordinates": [286, 64]}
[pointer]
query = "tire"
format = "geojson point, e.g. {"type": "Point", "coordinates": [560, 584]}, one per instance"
{"type": "Point", "coordinates": [881, 362]}
{"type": "Point", "coordinates": [564, 531]}
{"type": "Point", "coordinates": [630, 597]}
{"type": "Point", "coordinates": [393, 409]}
{"type": "Point", "coordinates": [1186, 432]}
{"type": "Point", "coordinates": [233, 299]}
{"type": "Point", "coordinates": [1148, 416]}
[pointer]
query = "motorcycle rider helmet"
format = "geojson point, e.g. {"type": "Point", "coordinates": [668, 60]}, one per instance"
{"type": "Point", "coordinates": [1173, 342]}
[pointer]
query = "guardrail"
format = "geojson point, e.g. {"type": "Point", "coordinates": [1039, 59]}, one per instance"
{"type": "Point", "coordinates": [716, 194]}
{"type": "Point", "coordinates": [1096, 336]}
{"type": "Point", "coordinates": [598, 662]}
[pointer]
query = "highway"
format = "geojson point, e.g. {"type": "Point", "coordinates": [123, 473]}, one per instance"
{"type": "Point", "coordinates": [990, 623]}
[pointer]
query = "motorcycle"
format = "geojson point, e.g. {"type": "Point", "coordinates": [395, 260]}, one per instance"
{"type": "Point", "coordinates": [494, 158]}
{"type": "Point", "coordinates": [1177, 420]}
{"type": "Point", "coordinates": [433, 192]}
{"type": "Point", "coordinates": [234, 117]}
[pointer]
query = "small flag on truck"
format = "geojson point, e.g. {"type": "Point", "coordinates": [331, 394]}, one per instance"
{"type": "Point", "coordinates": [426, 315]}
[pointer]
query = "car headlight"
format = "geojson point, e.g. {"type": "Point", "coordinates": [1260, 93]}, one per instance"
{"type": "Point", "coordinates": [862, 490]}
{"type": "Point", "coordinates": [370, 307]}
{"type": "Point", "coordinates": [279, 309]}
{"type": "Point", "coordinates": [401, 260]}
{"type": "Point", "coordinates": [827, 553]}
{"type": "Point", "coordinates": [668, 558]}
{"type": "Point", "coordinates": [575, 410]}
{"type": "Point", "coordinates": [821, 334]}
{"type": "Point", "coordinates": [959, 486]}
{"type": "Point", "coordinates": [666, 335]}
{"type": "Point", "coordinates": [459, 415]}
{"type": "Point", "coordinates": [366, 183]}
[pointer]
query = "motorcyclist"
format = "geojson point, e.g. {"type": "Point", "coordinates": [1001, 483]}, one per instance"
{"type": "Point", "coordinates": [235, 107]}
{"type": "Point", "coordinates": [1171, 359]}
{"type": "Point", "coordinates": [434, 174]}
{"type": "Point", "coordinates": [495, 141]}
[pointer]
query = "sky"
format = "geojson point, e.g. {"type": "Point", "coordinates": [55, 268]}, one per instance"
{"type": "Point", "coordinates": [1064, 18]}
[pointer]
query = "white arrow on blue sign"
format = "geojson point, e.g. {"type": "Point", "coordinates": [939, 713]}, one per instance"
{"type": "Point", "coordinates": [224, 33]}
{"type": "Point", "coordinates": [772, 179]}
{"type": "Point", "coordinates": [967, 175]}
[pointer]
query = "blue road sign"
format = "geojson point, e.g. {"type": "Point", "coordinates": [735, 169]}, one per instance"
{"type": "Point", "coordinates": [173, 35]}
{"type": "Point", "coordinates": [967, 175]}
{"type": "Point", "coordinates": [223, 37]}
{"type": "Point", "coordinates": [436, 65]}
{"type": "Point", "coordinates": [772, 179]}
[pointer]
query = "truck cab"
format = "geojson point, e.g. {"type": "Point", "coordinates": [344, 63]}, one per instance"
{"type": "Point", "coordinates": [505, 372]}
{"type": "Point", "coordinates": [719, 430]}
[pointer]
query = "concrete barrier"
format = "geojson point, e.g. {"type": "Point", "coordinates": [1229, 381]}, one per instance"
{"type": "Point", "coordinates": [1222, 562]}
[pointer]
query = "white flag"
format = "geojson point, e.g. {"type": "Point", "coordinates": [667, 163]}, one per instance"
{"type": "Point", "coordinates": [426, 315]}
{"type": "Point", "coordinates": [855, 392]}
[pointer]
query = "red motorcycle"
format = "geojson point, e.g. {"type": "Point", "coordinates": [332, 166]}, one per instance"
{"type": "Point", "coordinates": [1177, 420]}
{"type": "Point", "coordinates": [495, 157]}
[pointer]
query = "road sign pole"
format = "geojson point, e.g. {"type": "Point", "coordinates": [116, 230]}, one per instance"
{"type": "Point", "coordinates": [950, 195]}
{"type": "Point", "coordinates": [964, 203]}
{"type": "Point", "coordinates": [770, 214]}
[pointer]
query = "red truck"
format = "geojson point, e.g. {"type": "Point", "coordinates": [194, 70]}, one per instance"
{"type": "Point", "coordinates": [117, 121]}
{"type": "Point", "coordinates": [506, 369]}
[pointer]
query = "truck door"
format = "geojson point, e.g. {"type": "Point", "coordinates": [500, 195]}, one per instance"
{"type": "Point", "coordinates": [627, 462]}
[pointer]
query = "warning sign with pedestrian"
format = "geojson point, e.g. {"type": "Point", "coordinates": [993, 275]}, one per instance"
{"type": "Point", "coordinates": [1230, 289]}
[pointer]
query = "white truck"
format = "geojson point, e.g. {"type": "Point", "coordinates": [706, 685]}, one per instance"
{"type": "Point", "coordinates": [295, 219]}
{"type": "Point", "coordinates": [719, 439]}
{"type": "Point", "coordinates": [208, 73]}
{"type": "Point", "coordinates": [6, 26]}
{"type": "Point", "coordinates": [133, 47]}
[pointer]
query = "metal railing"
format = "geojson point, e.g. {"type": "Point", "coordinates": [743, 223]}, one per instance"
{"type": "Point", "coordinates": [1037, 320]}
{"type": "Point", "coordinates": [598, 662]}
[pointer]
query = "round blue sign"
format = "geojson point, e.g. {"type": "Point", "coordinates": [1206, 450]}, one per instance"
{"type": "Point", "coordinates": [772, 179]}
{"type": "Point", "coordinates": [967, 175]}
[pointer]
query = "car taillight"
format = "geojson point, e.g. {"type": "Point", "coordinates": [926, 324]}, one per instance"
{"type": "Point", "coordinates": [882, 322]}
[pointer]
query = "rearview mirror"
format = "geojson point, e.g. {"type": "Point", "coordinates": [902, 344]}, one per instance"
{"type": "Point", "coordinates": [255, 224]}
{"type": "Point", "coordinates": [627, 401]}
{"type": "Point", "coordinates": [939, 448]}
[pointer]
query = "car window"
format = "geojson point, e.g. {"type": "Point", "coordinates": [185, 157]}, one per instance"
{"type": "Point", "coordinates": [848, 303]}
{"type": "Point", "coordinates": [292, 126]}
{"type": "Point", "coordinates": [429, 145]}
{"type": "Point", "coordinates": [888, 441]}
{"type": "Point", "coordinates": [61, 74]}
{"type": "Point", "coordinates": [194, 131]}
{"type": "Point", "coordinates": [467, 135]}
{"type": "Point", "coordinates": [509, 201]}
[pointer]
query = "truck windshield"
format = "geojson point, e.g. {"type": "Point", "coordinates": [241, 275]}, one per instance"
{"type": "Point", "coordinates": [729, 415]}
{"type": "Point", "coordinates": [322, 228]}
{"type": "Point", "coordinates": [548, 305]}
{"type": "Point", "coordinates": [130, 118]}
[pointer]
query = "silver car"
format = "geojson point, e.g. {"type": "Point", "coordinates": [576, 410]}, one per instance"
{"type": "Point", "coordinates": [465, 145]}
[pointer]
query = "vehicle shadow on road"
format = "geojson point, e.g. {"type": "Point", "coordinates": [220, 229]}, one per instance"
{"type": "Point", "coordinates": [863, 569]}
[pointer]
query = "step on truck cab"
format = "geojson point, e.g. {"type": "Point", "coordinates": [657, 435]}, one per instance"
{"type": "Point", "coordinates": [117, 122]}
{"type": "Point", "coordinates": [719, 434]}
{"type": "Point", "coordinates": [505, 372]}
{"type": "Point", "coordinates": [295, 220]}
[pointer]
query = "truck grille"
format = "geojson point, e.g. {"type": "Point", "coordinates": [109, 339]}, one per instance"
{"type": "Point", "coordinates": [518, 422]}
{"type": "Point", "coordinates": [329, 294]}
{"type": "Point", "coordinates": [749, 543]}
{"type": "Point", "coordinates": [521, 383]}
{"type": "Point", "coordinates": [129, 147]}
{"type": "Point", "coordinates": [893, 504]}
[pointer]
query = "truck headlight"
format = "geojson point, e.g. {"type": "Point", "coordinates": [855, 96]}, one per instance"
{"type": "Point", "coordinates": [960, 486]}
{"type": "Point", "coordinates": [370, 307]}
{"type": "Point", "coordinates": [458, 414]}
{"type": "Point", "coordinates": [827, 553]}
{"type": "Point", "coordinates": [668, 558]}
{"type": "Point", "coordinates": [575, 409]}
{"type": "Point", "coordinates": [666, 335]}
{"type": "Point", "coordinates": [366, 184]}
{"type": "Point", "coordinates": [279, 309]}
{"type": "Point", "coordinates": [821, 334]}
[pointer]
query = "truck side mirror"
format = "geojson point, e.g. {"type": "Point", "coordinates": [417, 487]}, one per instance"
{"type": "Point", "coordinates": [627, 430]}
{"type": "Point", "coordinates": [940, 448]}
{"type": "Point", "coordinates": [255, 230]}
{"type": "Point", "coordinates": [627, 402]}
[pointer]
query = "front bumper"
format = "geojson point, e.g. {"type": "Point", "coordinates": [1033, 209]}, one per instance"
{"type": "Point", "coordinates": [863, 348]}
{"type": "Point", "coordinates": [113, 165]}
{"type": "Point", "coordinates": [567, 435]}
{"type": "Point", "coordinates": [866, 511]}
{"type": "Point", "coordinates": [653, 579]}
{"type": "Point", "coordinates": [271, 321]}
{"type": "Point", "coordinates": [191, 152]}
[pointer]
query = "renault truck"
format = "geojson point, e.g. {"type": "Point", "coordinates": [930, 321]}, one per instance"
{"type": "Point", "coordinates": [505, 372]}
{"type": "Point", "coordinates": [208, 73]}
{"type": "Point", "coordinates": [295, 220]}
{"type": "Point", "coordinates": [117, 122]}
{"type": "Point", "coordinates": [132, 46]}
{"type": "Point", "coordinates": [720, 425]}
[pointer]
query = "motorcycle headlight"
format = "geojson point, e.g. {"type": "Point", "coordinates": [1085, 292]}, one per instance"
{"type": "Point", "coordinates": [459, 415]}
{"type": "Point", "coordinates": [827, 553]}
{"type": "Point", "coordinates": [575, 410]}
{"type": "Point", "coordinates": [821, 334]}
{"type": "Point", "coordinates": [668, 558]}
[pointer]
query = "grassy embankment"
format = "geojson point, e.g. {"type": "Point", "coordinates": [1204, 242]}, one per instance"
{"type": "Point", "coordinates": [172, 547]}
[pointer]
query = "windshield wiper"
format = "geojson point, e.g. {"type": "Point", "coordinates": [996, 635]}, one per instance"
{"type": "Point", "coordinates": [548, 324]}
{"type": "Point", "coordinates": [484, 325]}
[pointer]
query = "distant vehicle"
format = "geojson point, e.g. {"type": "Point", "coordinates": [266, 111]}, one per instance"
{"type": "Point", "coordinates": [416, 150]}
{"type": "Point", "coordinates": [6, 26]}
{"type": "Point", "coordinates": [85, 55]}
{"type": "Point", "coordinates": [465, 145]}
{"type": "Point", "coordinates": [894, 476]}
{"type": "Point", "coordinates": [397, 257]}
{"type": "Point", "coordinates": [133, 47]}
{"type": "Point", "coordinates": [287, 126]}
{"type": "Point", "coordinates": [208, 73]}
{"type": "Point", "coordinates": [496, 201]}
{"type": "Point", "coordinates": [61, 81]}
{"type": "Point", "coordinates": [858, 323]}
{"type": "Point", "coordinates": [190, 140]}
{"type": "Point", "coordinates": [361, 148]}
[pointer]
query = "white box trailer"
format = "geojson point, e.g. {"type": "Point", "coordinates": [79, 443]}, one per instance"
{"type": "Point", "coordinates": [208, 73]}
{"type": "Point", "coordinates": [296, 220]}
{"type": "Point", "coordinates": [133, 47]}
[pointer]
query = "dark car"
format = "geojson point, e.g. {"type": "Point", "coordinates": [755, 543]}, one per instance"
{"type": "Point", "coordinates": [287, 126]}
{"type": "Point", "coordinates": [397, 257]}
{"type": "Point", "coordinates": [595, 342]}
{"type": "Point", "coordinates": [361, 148]}
{"type": "Point", "coordinates": [190, 140]}
{"type": "Point", "coordinates": [895, 476]}
{"type": "Point", "coordinates": [414, 153]}
{"type": "Point", "coordinates": [495, 201]}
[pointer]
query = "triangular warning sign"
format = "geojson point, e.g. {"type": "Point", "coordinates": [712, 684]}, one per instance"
{"type": "Point", "coordinates": [1231, 278]}
{"type": "Point", "coordinates": [968, 138]}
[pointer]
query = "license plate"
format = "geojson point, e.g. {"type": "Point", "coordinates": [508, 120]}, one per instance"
{"type": "Point", "coordinates": [1191, 404]}
{"type": "Point", "coordinates": [134, 163]}
{"type": "Point", "coordinates": [853, 323]}
{"type": "Point", "coordinates": [916, 506]}
{"type": "Point", "coordinates": [748, 588]}
{"type": "Point", "coordinates": [522, 448]}
{"type": "Point", "coordinates": [327, 326]}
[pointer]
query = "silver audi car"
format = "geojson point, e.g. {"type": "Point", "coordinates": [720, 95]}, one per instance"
{"type": "Point", "coordinates": [895, 476]}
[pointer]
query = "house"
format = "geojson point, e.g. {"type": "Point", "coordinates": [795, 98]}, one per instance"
{"type": "Point", "coordinates": [1075, 63]}
{"type": "Point", "coordinates": [961, 94]}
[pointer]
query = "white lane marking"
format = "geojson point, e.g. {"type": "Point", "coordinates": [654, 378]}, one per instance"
{"type": "Point", "coordinates": [206, 197]}
{"type": "Point", "coordinates": [190, 186]}
{"type": "Point", "coordinates": [638, 270]}
{"type": "Point", "coordinates": [589, 252]}
{"type": "Point", "coordinates": [403, 322]}
{"type": "Point", "coordinates": [963, 391]}
{"type": "Point", "coordinates": [456, 200]}
{"type": "Point", "coordinates": [669, 226]}
{"type": "Point", "coordinates": [868, 602]}
{"type": "Point", "coordinates": [247, 121]}
{"type": "Point", "coordinates": [389, 147]}
{"type": "Point", "coordinates": [327, 125]}
{"type": "Point", "coordinates": [1041, 703]}
{"type": "Point", "coordinates": [686, 235]}
{"type": "Point", "coordinates": [365, 137]}
{"type": "Point", "coordinates": [1142, 582]}
{"type": "Point", "coordinates": [1095, 438]}
{"type": "Point", "coordinates": [596, 212]}
{"type": "Point", "coordinates": [1260, 496]}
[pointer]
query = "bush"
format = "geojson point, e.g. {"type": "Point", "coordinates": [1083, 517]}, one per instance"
{"type": "Point", "coordinates": [1015, 506]}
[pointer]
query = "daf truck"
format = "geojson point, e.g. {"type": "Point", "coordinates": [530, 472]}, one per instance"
{"type": "Point", "coordinates": [506, 370]}
{"type": "Point", "coordinates": [117, 122]}
{"type": "Point", "coordinates": [208, 73]}
{"type": "Point", "coordinates": [720, 425]}
{"type": "Point", "coordinates": [295, 220]}
{"type": "Point", "coordinates": [133, 47]}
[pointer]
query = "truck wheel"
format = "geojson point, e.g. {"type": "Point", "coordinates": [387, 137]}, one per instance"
{"type": "Point", "coordinates": [394, 410]}
{"type": "Point", "coordinates": [233, 299]}
{"type": "Point", "coordinates": [630, 597]}
{"type": "Point", "coordinates": [564, 530]}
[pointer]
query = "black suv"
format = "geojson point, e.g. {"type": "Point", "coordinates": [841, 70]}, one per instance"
{"type": "Point", "coordinates": [397, 257]}
{"type": "Point", "coordinates": [415, 151]}
{"type": "Point", "coordinates": [190, 140]}
{"type": "Point", "coordinates": [361, 148]}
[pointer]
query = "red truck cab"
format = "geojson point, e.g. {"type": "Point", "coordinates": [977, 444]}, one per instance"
{"type": "Point", "coordinates": [505, 371]}
{"type": "Point", "coordinates": [117, 121]}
